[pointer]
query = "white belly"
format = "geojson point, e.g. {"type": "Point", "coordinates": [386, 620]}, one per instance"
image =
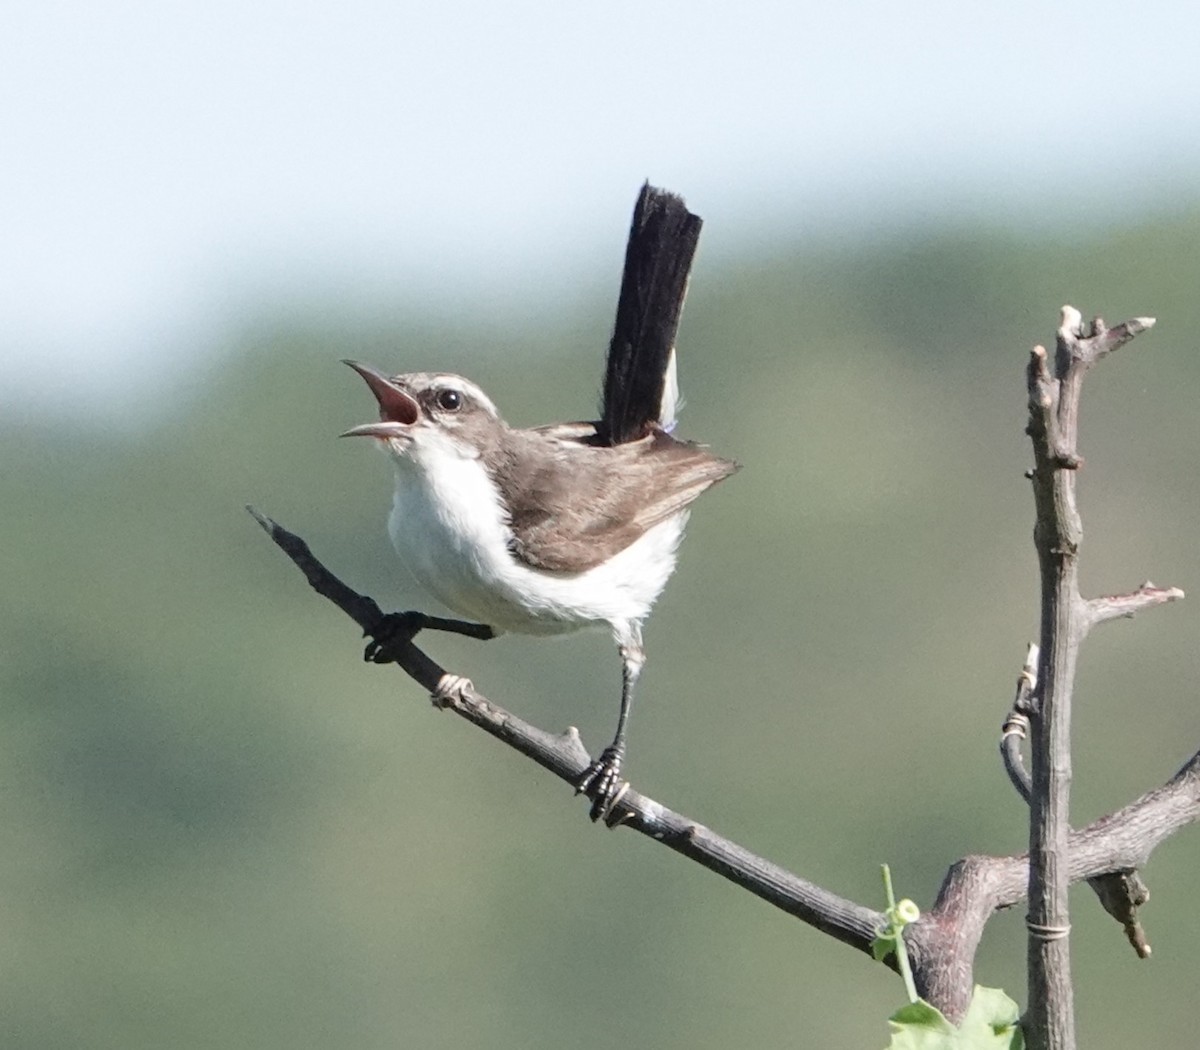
{"type": "Point", "coordinates": [453, 536]}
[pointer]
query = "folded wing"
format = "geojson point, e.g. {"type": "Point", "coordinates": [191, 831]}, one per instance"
{"type": "Point", "coordinates": [609, 499]}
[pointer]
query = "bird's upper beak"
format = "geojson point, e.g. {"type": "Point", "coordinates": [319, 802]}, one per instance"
{"type": "Point", "coordinates": [398, 410]}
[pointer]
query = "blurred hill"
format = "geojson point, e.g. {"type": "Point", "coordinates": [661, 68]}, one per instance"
{"type": "Point", "coordinates": [225, 830]}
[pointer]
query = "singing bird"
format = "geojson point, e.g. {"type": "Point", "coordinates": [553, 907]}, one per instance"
{"type": "Point", "coordinates": [554, 528]}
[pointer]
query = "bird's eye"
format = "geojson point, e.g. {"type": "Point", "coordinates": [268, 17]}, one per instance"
{"type": "Point", "coordinates": [449, 400]}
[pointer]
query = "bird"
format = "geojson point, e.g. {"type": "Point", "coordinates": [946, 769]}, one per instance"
{"type": "Point", "coordinates": [550, 529]}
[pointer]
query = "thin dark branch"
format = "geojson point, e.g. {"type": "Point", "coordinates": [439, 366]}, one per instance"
{"type": "Point", "coordinates": [1066, 618]}
{"type": "Point", "coordinates": [362, 610]}
{"type": "Point", "coordinates": [564, 755]}
{"type": "Point", "coordinates": [942, 943]}
{"type": "Point", "coordinates": [1053, 411]}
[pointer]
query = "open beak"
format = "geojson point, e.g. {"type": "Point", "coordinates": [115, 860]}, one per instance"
{"type": "Point", "coordinates": [398, 410]}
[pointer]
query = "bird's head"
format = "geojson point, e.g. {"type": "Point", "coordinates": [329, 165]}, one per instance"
{"type": "Point", "coordinates": [424, 413]}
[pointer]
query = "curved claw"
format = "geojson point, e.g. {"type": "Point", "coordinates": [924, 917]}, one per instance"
{"type": "Point", "coordinates": [602, 783]}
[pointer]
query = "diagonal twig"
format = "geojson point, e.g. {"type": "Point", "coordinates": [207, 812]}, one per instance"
{"type": "Point", "coordinates": [942, 943]}
{"type": "Point", "coordinates": [564, 755]}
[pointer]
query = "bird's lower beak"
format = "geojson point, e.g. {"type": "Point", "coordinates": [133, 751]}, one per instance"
{"type": "Point", "coordinates": [398, 410]}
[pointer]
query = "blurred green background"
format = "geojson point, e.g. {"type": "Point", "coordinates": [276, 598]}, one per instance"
{"type": "Point", "coordinates": [225, 830]}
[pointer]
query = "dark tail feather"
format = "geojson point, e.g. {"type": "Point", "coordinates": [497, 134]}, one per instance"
{"type": "Point", "coordinates": [662, 242]}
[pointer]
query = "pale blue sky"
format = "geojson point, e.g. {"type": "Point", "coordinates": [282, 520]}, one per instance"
{"type": "Point", "coordinates": [168, 166]}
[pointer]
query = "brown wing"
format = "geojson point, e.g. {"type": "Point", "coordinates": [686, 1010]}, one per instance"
{"type": "Point", "coordinates": [578, 503]}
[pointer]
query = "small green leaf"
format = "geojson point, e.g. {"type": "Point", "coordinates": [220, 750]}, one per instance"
{"type": "Point", "coordinates": [919, 1026]}
{"type": "Point", "coordinates": [994, 1014]}
{"type": "Point", "coordinates": [882, 947]}
{"type": "Point", "coordinates": [990, 1024]}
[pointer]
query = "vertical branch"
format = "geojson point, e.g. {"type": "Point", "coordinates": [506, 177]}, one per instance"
{"type": "Point", "coordinates": [1053, 403]}
{"type": "Point", "coordinates": [1054, 389]}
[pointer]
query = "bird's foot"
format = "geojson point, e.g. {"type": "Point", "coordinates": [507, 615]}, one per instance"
{"type": "Point", "coordinates": [390, 633]}
{"type": "Point", "coordinates": [602, 783]}
{"type": "Point", "coordinates": [452, 690]}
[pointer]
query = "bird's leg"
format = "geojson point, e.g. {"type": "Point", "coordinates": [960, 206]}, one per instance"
{"type": "Point", "coordinates": [601, 781]}
{"type": "Point", "coordinates": [392, 631]}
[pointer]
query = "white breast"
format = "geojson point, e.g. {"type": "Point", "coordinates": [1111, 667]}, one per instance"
{"type": "Point", "coordinates": [449, 527]}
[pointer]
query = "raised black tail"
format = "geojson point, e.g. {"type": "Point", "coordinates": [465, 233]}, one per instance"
{"type": "Point", "coordinates": [662, 243]}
